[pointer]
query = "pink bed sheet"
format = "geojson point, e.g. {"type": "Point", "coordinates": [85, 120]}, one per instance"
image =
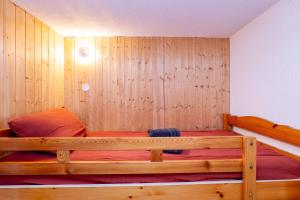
{"type": "Point", "coordinates": [271, 165]}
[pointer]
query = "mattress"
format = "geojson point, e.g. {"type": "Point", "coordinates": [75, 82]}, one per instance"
{"type": "Point", "coordinates": [271, 165]}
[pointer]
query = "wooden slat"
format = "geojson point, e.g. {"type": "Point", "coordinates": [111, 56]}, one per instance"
{"type": "Point", "coordinates": [59, 71]}
{"type": "Point", "coordinates": [98, 84]}
{"type": "Point", "coordinates": [120, 167]}
{"type": "Point", "coordinates": [121, 143]}
{"type": "Point", "coordinates": [63, 156]}
{"type": "Point", "coordinates": [279, 190]}
{"type": "Point", "coordinates": [156, 155]}
{"type": "Point", "coordinates": [69, 45]}
{"type": "Point", "coordinates": [157, 48]}
{"type": "Point", "coordinates": [45, 68]}
{"type": "Point", "coordinates": [265, 127]}
{"type": "Point", "coordinates": [53, 74]}
{"type": "Point", "coordinates": [9, 60]}
{"type": "Point", "coordinates": [30, 75]}
{"type": "Point", "coordinates": [38, 65]}
{"type": "Point", "coordinates": [2, 70]}
{"type": "Point", "coordinates": [226, 125]}
{"type": "Point", "coordinates": [20, 62]}
{"type": "Point", "coordinates": [249, 168]}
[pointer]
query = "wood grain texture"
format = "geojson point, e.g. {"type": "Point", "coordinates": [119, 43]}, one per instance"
{"type": "Point", "coordinates": [156, 155]}
{"type": "Point", "coordinates": [64, 167]}
{"type": "Point", "coordinates": [63, 156]}
{"type": "Point", "coordinates": [138, 83]}
{"type": "Point", "coordinates": [26, 53]}
{"type": "Point", "coordinates": [2, 69]}
{"type": "Point", "coordinates": [262, 126]}
{"type": "Point", "coordinates": [279, 190]}
{"type": "Point", "coordinates": [118, 143]}
{"type": "Point", "coordinates": [249, 168]}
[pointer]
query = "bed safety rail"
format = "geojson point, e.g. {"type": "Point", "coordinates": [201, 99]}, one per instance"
{"type": "Point", "coordinates": [156, 164]}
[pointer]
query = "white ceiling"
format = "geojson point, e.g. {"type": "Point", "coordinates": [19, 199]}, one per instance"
{"type": "Point", "coordinates": [205, 18]}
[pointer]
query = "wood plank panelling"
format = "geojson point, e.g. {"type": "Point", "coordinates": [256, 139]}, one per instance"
{"type": "Point", "coordinates": [20, 61]}
{"type": "Point", "coordinates": [9, 59]}
{"type": "Point", "coordinates": [31, 72]}
{"type": "Point", "coordinates": [2, 70]}
{"type": "Point", "coordinates": [138, 83]}
{"type": "Point", "coordinates": [267, 190]}
{"type": "Point", "coordinates": [59, 71]}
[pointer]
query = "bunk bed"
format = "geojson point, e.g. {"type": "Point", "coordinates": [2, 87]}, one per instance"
{"type": "Point", "coordinates": [158, 164]}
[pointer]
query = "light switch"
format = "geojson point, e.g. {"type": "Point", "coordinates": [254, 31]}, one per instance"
{"type": "Point", "coordinates": [85, 87]}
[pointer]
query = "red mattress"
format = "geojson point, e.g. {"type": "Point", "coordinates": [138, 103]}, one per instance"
{"type": "Point", "coordinates": [270, 164]}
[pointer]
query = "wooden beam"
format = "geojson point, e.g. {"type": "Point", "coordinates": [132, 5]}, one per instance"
{"type": "Point", "coordinates": [120, 167]}
{"type": "Point", "coordinates": [269, 190]}
{"type": "Point", "coordinates": [63, 156]}
{"type": "Point", "coordinates": [267, 128]}
{"type": "Point", "coordinates": [226, 125]}
{"type": "Point", "coordinates": [275, 190]}
{"type": "Point", "coordinates": [249, 168]}
{"type": "Point", "coordinates": [119, 143]}
{"type": "Point", "coordinates": [156, 155]}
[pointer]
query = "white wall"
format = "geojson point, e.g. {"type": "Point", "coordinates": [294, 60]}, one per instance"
{"type": "Point", "coordinates": [265, 69]}
{"type": "Point", "coordinates": [265, 65]}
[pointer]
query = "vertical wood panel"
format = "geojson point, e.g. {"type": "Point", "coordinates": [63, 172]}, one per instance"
{"type": "Point", "coordinates": [25, 77]}
{"type": "Point", "coordinates": [59, 71]}
{"type": "Point", "coordinates": [91, 96]}
{"type": "Point", "coordinates": [9, 60]}
{"type": "Point", "coordinates": [158, 82]}
{"type": "Point", "coordinates": [98, 103]}
{"type": "Point", "coordinates": [20, 61]}
{"type": "Point", "coordinates": [52, 75]}
{"type": "Point", "coordinates": [30, 79]}
{"type": "Point", "coordinates": [2, 70]}
{"type": "Point", "coordinates": [38, 64]}
{"type": "Point", "coordinates": [69, 75]}
{"type": "Point", "coordinates": [45, 67]}
{"type": "Point", "coordinates": [138, 83]}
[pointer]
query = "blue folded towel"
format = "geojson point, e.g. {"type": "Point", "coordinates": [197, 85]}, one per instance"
{"type": "Point", "coordinates": [166, 132]}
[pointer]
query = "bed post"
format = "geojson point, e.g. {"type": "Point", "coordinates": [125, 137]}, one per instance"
{"type": "Point", "coordinates": [249, 168]}
{"type": "Point", "coordinates": [226, 125]}
{"type": "Point", "coordinates": [63, 156]}
{"type": "Point", "coordinates": [156, 155]}
{"type": "Point", "coordinates": [5, 133]}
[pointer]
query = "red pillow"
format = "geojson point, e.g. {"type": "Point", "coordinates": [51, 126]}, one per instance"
{"type": "Point", "coordinates": [52, 123]}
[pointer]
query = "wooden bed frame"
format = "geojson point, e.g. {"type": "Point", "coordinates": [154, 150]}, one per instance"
{"type": "Point", "coordinates": [246, 189]}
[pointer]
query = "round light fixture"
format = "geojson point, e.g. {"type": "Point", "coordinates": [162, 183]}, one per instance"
{"type": "Point", "coordinates": [83, 51]}
{"type": "Point", "coordinates": [85, 87]}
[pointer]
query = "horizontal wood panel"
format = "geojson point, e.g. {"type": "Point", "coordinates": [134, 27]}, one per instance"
{"type": "Point", "coordinates": [25, 72]}
{"type": "Point", "coordinates": [121, 143]}
{"type": "Point", "coordinates": [120, 167]}
{"type": "Point", "coordinates": [269, 190]}
{"type": "Point", "coordinates": [138, 83]}
{"type": "Point", "coordinates": [265, 127]}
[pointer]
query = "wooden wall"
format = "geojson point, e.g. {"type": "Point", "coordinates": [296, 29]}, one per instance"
{"type": "Point", "coordinates": [31, 64]}
{"type": "Point", "coordinates": [138, 83]}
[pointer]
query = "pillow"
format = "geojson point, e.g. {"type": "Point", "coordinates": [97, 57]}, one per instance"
{"type": "Point", "coordinates": [52, 123]}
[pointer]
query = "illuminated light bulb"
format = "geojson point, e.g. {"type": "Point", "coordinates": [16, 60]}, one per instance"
{"type": "Point", "coordinates": [85, 51]}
